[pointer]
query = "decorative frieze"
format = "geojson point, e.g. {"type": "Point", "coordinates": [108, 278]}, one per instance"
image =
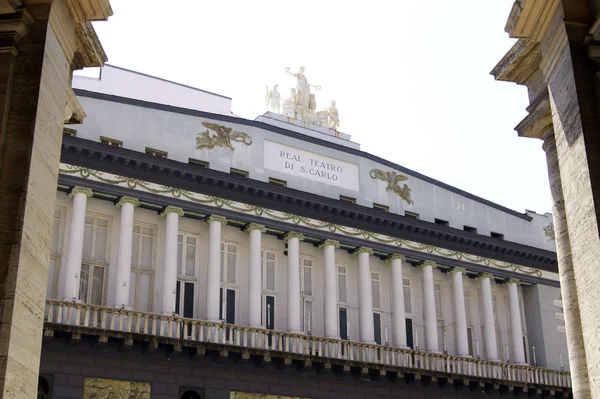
{"type": "Point", "coordinates": [103, 388]}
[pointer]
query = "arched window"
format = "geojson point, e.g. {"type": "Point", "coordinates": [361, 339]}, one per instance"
{"type": "Point", "coordinates": [43, 388]}
{"type": "Point", "coordinates": [190, 394]}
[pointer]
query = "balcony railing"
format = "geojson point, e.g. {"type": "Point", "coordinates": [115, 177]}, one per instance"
{"type": "Point", "coordinates": [247, 338]}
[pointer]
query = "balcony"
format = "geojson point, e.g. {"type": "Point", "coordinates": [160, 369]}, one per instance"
{"type": "Point", "coordinates": [268, 345]}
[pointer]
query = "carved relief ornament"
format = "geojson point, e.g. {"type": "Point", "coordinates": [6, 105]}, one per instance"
{"type": "Point", "coordinates": [102, 388]}
{"type": "Point", "coordinates": [393, 183]}
{"type": "Point", "coordinates": [223, 137]}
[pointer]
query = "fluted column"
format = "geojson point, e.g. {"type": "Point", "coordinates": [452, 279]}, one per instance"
{"type": "Point", "coordinates": [399, 317]}
{"type": "Point", "coordinates": [489, 325]}
{"type": "Point", "coordinates": [460, 315]}
{"type": "Point", "coordinates": [213, 278]}
{"type": "Point", "coordinates": [516, 328]}
{"type": "Point", "coordinates": [431, 333]}
{"type": "Point", "coordinates": [73, 266]}
{"type": "Point", "coordinates": [331, 289]}
{"type": "Point", "coordinates": [365, 296]}
{"type": "Point", "coordinates": [169, 281]}
{"type": "Point", "coordinates": [255, 273]}
{"type": "Point", "coordinates": [294, 317]}
{"type": "Point", "coordinates": [123, 280]}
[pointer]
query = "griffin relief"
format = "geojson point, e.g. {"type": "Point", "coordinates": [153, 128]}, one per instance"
{"type": "Point", "coordinates": [393, 183]}
{"type": "Point", "coordinates": [223, 137]}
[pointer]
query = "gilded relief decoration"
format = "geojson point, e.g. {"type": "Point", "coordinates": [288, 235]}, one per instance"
{"type": "Point", "coordinates": [246, 395]}
{"type": "Point", "coordinates": [549, 232]}
{"type": "Point", "coordinates": [393, 183]}
{"type": "Point", "coordinates": [291, 218]}
{"type": "Point", "coordinates": [100, 388]}
{"type": "Point", "coordinates": [223, 137]}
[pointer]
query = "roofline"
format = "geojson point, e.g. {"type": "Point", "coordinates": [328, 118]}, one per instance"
{"type": "Point", "coordinates": [300, 136]}
{"type": "Point", "coordinates": [166, 80]}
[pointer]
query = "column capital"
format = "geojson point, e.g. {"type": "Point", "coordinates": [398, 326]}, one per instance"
{"type": "Point", "coordinates": [292, 234]}
{"type": "Point", "coordinates": [172, 209]}
{"type": "Point", "coordinates": [255, 226]}
{"type": "Point", "coordinates": [81, 190]}
{"type": "Point", "coordinates": [334, 243]}
{"type": "Point", "coordinates": [484, 275]}
{"type": "Point", "coordinates": [428, 263]}
{"type": "Point", "coordinates": [512, 281]}
{"type": "Point", "coordinates": [396, 257]}
{"type": "Point", "coordinates": [216, 218]}
{"type": "Point", "coordinates": [364, 250]}
{"type": "Point", "coordinates": [455, 270]}
{"type": "Point", "coordinates": [128, 200]}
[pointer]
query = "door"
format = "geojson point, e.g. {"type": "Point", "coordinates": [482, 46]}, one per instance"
{"type": "Point", "coordinates": [227, 311]}
{"type": "Point", "coordinates": [377, 327]}
{"type": "Point", "coordinates": [270, 312]}
{"type": "Point", "coordinates": [343, 315]}
{"type": "Point", "coordinates": [184, 299]}
{"type": "Point", "coordinates": [91, 284]}
{"type": "Point", "coordinates": [409, 333]}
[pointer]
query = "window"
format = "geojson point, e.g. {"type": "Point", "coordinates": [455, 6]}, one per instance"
{"type": "Point", "coordinates": [437, 291]}
{"type": "Point", "coordinates": [377, 328]}
{"type": "Point", "coordinates": [470, 229]}
{"type": "Point", "coordinates": [190, 393]}
{"type": "Point", "coordinates": [470, 340]}
{"type": "Point", "coordinates": [306, 276]}
{"type": "Point", "coordinates": [228, 263]}
{"type": "Point", "coordinates": [407, 301]}
{"type": "Point", "coordinates": [94, 262]}
{"type": "Point", "coordinates": [411, 215]}
{"type": "Point", "coordinates": [69, 132]}
{"type": "Point", "coordinates": [375, 290]}
{"type": "Point", "coordinates": [277, 182]}
{"type": "Point", "coordinates": [441, 329]}
{"type": "Point", "coordinates": [156, 153]}
{"type": "Point", "coordinates": [111, 142]}
{"type": "Point", "coordinates": [442, 222]}
{"type": "Point", "coordinates": [384, 208]}
{"type": "Point", "coordinates": [142, 267]}
{"type": "Point", "coordinates": [55, 253]}
{"type": "Point", "coordinates": [497, 235]}
{"type": "Point", "coordinates": [342, 284]}
{"type": "Point", "coordinates": [349, 200]}
{"type": "Point", "coordinates": [268, 267]}
{"type": "Point", "coordinates": [467, 307]}
{"type": "Point", "coordinates": [186, 254]}
{"type": "Point", "coordinates": [495, 307]}
{"type": "Point", "coordinates": [197, 162]}
{"type": "Point", "coordinates": [238, 172]}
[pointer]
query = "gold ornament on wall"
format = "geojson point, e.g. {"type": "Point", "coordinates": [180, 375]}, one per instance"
{"type": "Point", "coordinates": [393, 183]}
{"type": "Point", "coordinates": [100, 388]}
{"type": "Point", "coordinates": [223, 137]}
{"type": "Point", "coordinates": [246, 395]}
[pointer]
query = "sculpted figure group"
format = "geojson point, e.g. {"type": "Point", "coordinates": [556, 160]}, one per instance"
{"type": "Point", "coordinates": [301, 104]}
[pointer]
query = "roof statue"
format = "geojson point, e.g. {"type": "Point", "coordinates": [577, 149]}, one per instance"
{"type": "Point", "coordinates": [302, 103]}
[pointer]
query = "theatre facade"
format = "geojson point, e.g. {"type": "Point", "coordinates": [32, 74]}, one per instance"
{"type": "Point", "coordinates": [196, 254]}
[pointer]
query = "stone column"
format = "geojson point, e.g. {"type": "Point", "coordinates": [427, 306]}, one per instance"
{"type": "Point", "coordinates": [123, 281]}
{"type": "Point", "coordinates": [430, 316]}
{"type": "Point", "coordinates": [73, 266]}
{"type": "Point", "coordinates": [169, 281]}
{"type": "Point", "coordinates": [399, 316]}
{"type": "Point", "coordinates": [489, 323]}
{"type": "Point", "coordinates": [568, 287]}
{"type": "Point", "coordinates": [331, 289]}
{"type": "Point", "coordinates": [213, 278]}
{"type": "Point", "coordinates": [365, 296]}
{"type": "Point", "coordinates": [516, 329]}
{"type": "Point", "coordinates": [294, 317]}
{"type": "Point", "coordinates": [460, 315]}
{"type": "Point", "coordinates": [255, 274]}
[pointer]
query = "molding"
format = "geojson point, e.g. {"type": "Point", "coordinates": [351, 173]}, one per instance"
{"type": "Point", "coordinates": [456, 270]}
{"type": "Point", "coordinates": [172, 209]}
{"type": "Point", "coordinates": [428, 263]}
{"type": "Point", "coordinates": [255, 226]}
{"type": "Point", "coordinates": [484, 275]}
{"type": "Point", "coordinates": [90, 10]}
{"type": "Point", "coordinates": [363, 250]}
{"type": "Point", "coordinates": [395, 257]}
{"type": "Point", "coordinates": [299, 136]}
{"type": "Point", "coordinates": [198, 211]}
{"type": "Point", "coordinates": [293, 234]}
{"type": "Point", "coordinates": [216, 218]}
{"type": "Point", "coordinates": [334, 243]}
{"type": "Point", "coordinates": [128, 200]}
{"type": "Point", "coordinates": [81, 190]}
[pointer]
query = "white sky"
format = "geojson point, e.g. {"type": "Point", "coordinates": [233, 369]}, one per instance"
{"type": "Point", "coordinates": [410, 78]}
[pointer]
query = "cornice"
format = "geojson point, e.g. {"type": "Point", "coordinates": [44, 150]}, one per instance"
{"type": "Point", "coordinates": [181, 177]}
